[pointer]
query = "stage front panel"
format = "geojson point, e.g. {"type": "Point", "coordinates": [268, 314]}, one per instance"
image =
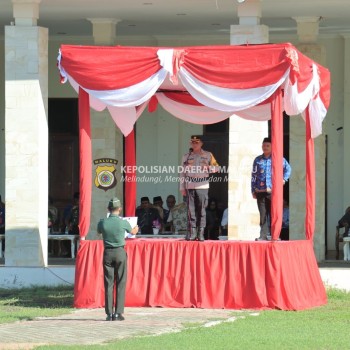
{"type": "Point", "coordinates": [211, 274]}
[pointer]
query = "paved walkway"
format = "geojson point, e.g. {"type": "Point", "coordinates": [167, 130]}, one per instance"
{"type": "Point", "coordinates": [87, 326]}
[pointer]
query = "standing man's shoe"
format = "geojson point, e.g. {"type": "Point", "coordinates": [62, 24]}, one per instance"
{"type": "Point", "coordinates": [118, 317]}
{"type": "Point", "coordinates": [109, 317]}
{"type": "Point", "coordinates": [201, 234]}
{"type": "Point", "coordinates": [193, 236]}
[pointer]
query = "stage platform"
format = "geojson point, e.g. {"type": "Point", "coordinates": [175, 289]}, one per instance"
{"type": "Point", "coordinates": [211, 274]}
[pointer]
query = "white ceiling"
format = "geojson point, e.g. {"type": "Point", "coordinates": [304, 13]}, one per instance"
{"type": "Point", "coordinates": [180, 17]}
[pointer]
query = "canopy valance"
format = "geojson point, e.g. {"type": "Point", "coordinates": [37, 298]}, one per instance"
{"type": "Point", "coordinates": [197, 84]}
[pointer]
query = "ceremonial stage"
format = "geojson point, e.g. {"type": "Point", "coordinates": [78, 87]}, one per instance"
{"type": "Point", "coordinates": [202, 85]}
{"type": "Point", "coordinates": [212, 274]}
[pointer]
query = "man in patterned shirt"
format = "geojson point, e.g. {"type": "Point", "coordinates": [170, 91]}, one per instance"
{"type": "Point", "coordinates": [262, 185]}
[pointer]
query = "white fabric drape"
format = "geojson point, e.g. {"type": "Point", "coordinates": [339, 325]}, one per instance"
{"type": "Point", "coordinates": [218, 103]}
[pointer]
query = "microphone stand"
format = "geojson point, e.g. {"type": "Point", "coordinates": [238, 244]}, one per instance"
{"type": "Point", "coordinates": [189, 153]}
{"type": "Point", "coordinates": [189, 227]}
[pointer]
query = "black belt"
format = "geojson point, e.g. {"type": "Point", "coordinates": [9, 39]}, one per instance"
{"type": "Point", "coordinates": [114, 247]}
{"type": "Point", "coordinates": [197, 179]}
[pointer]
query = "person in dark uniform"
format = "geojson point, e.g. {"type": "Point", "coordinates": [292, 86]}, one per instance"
{"type": "Point", "coordinates": [197, 164]}
{"type": "Point", "coordinates": [114, 258]}
{"type": "Point", "coordinates": [147, 216]}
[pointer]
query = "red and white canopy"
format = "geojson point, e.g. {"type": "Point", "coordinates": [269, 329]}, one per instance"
{"type": "Point", "coordinates": [200, 85]}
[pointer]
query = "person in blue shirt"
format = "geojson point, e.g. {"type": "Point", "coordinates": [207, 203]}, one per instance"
{"type": "Point", "coordinates": [261, 185]}
{"type": "Point", "coordinates": [2, 217]}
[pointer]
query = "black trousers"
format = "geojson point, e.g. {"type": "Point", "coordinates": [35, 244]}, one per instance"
{"type": "Point", "coordinates": [264, 205]}
{"type": "Point", "coordinates": [115, 270]}
{"type": "Point", "coordinates": [197, 201]}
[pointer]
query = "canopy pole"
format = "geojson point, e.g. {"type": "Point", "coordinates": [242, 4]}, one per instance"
{"type": "Point", "coordinates": [277, 164]}
{"type": "Point", "coordinates": [85, 176]}
{"type": "Point", "coordinates": [130, 174]}
{"type": "Point", "coordinates": [310, 181]}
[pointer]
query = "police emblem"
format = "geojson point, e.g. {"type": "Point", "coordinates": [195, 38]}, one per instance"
{"type": "Point", "coordinates": [105, 178]}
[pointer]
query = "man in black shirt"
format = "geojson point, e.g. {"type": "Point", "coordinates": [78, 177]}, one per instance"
{"type": "Point", "coordinates": [147, 217]}
{"type": "Point", "coordinates": [345, 222]}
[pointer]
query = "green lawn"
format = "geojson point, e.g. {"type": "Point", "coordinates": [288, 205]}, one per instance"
{"type": "Point", "coordinates": [325, 327]}
{"type": "Point", "coordinates": [28, 303]}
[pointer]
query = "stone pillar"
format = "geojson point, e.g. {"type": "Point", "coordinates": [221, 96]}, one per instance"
{"type": "Point", "coordinates": [245, 137]}
{"type": "Point", "coordinates": [104, 30]}
{"type": "Point", "coordinates": [307, 32]}
{"type": "Point", "coordinates": [107, 140]}
{"type": "Point", "coordinates": [26, 138]}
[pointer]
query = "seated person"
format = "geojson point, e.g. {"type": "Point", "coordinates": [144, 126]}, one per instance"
{"type": "Point", "coordinates": [170, 203]}
{"type": "Point", "coordinates": [53, 216]}
{"type": "Point", "coordinates": [224, 222]}
{"type": "Point", "coordinates": [2, 217]}
{"type": "Point", "coordinates": [146, 216]}
{"type": "Point", "coordinates": [73, 221]}
{"type": "Point", "coordinates": [67, 211]}
{"type": "Point", "coordinates": [285, 222]}
{"type": "Point", "coordinates": [158, 203]}
{"type": "Point", "coordinates": [178, 218]}
{"type": "Point", "coordinates": [214, 216]}
{"type": "Point", "coordinates": [2, 222]}
{"type": "Point", "coordinates": [345, 222]}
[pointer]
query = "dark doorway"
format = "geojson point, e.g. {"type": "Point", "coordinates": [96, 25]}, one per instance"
{"type": "Point", "coordinates": [215, 140]}
{"type": "Point", "coordinates": [63, 151]}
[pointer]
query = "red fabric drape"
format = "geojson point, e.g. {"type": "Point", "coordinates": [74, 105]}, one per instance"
{"type": "Point", "coordinates": [130, 186]}
{"type": "Point", "coordinates": [106, 68]}
{"type": "Point", "coordinates": [85, 176]}
{"type": "Point", "coordinates": [211, 274]}
{"type": "Point", "coordinates": [310, 181]}
{"type": "Point", "coordinates": [277, 164]}
{"type": "Point", "coordinates": [239, 67]}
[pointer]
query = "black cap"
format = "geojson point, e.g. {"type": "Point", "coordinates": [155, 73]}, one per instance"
{"type": "Point", "coordinates": [157, 199]}
{"type": "Point", "coordinates": [196, 138]}
{"type": "Point", "coordinates": [267, 139]}
{"type": "Point", "coordinates": [143, 199]}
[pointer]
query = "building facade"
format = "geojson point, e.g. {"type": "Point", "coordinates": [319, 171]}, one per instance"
{"type": "Point", "coordinates": [31, 84]}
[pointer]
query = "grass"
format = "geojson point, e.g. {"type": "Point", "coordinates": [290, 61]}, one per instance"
{"type": "Point", "coordinates": [320, 328]}
{"type": "Point", "coordinates": [29, 303]}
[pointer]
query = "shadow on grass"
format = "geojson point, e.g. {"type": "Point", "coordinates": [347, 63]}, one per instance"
{"type": "Point", "coordinates": [39, 297]}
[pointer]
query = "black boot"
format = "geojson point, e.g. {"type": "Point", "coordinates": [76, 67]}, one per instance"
{"type": "Point", "coordinates": [193, 234]}
{"type": "Point", "coordinates": [201, 234]}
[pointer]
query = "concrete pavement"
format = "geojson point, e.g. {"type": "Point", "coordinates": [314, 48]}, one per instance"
{"type": "Point", "coordinates": [88, 326]}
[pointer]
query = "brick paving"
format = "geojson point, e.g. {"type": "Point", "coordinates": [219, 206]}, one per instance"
{"type": "Point", "coordinates": [88, 326]}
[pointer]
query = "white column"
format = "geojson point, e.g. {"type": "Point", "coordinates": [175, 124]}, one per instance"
{"type": "Point", "coordinates": [26, 138]}
{"type": "Point", "coordinates": [106, 138]}
{"type": "Point", "coordinates": [104, 30]}
{"type": "Point", "coordinates": [26, 12]}
{"type": "Point", "coordinates": [245, 137]}
{"type": "Point", "coordinates": [307, 32]}
{"type": "Point", "coordinates": [249, 30]}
